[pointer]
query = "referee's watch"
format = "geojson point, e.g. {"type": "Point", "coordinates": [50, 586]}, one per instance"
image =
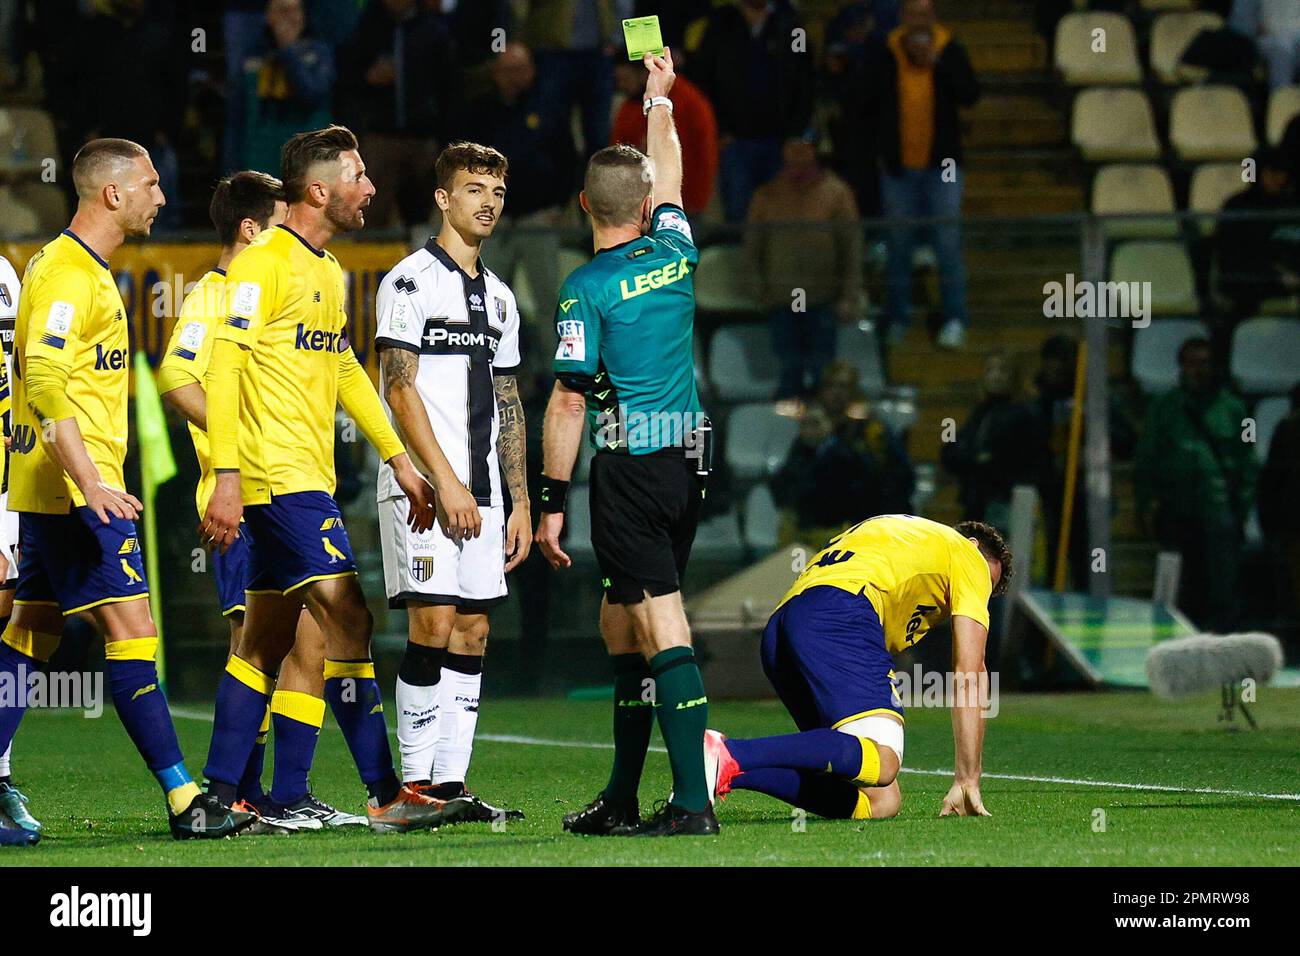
{"type": "Point", "coordinates": [650, 102]}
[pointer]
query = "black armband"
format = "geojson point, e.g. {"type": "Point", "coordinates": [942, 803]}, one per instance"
{"type": "Point", "coordinates": [553, 495]}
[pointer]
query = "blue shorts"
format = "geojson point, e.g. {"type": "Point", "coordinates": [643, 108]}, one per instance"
{"type": "Point", "coordinates": [75, 562]}
{"type": "Point", "coordinates": [824, 652]}
{"type": "Point", "coordinates": [299, 538]}
{"type": "Point", "coordinates": [231, 571]}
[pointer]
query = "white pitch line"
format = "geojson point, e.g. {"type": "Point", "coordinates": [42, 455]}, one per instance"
{"type": "Point", "coordinates": [188, 714]}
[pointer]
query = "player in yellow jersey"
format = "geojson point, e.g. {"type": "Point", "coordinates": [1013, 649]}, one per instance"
{"type": "Point", "coordinates": [281, 361]}
{"type": "Point", "coordinates": [78, 545]}
{"type": "Point", "coordinates": [242, 206]}
{"type": "Point", "coordinates": [874, 591]}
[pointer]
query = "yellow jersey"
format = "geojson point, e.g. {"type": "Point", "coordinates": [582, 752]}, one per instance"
{"type": "Point", "coordinates": [186, 362]}
{"type": "Point", "coordinates": [70, 314]}
{"type": "Point", "coordinates": [285, 303]}
{"type": "Point", "coordinates": [915, 572]}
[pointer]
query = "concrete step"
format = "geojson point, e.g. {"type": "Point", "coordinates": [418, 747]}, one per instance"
{"type": "Point", "coordinates": [1058, 199]}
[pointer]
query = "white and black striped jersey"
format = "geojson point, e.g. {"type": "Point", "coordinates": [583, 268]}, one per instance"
{"type": "Point", "coordinates": [9, 289]}
{"type": "Point", "coordinates": [465, 330]}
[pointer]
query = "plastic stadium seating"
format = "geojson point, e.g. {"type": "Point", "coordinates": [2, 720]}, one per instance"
{"type": "Point", "coordinates": [1114, 126]}
{"type": "Point", "coordinates": [1123, 189]}
{"type": "Point", "coordinates": [1283, 106]}
{"type": "Point", "coordinates": [17, 219]}
{"type": "Point", "coordinates": [1213, 184]}
{"type": "Point", "coordinates": [47, 201]}
{"type": "Point", "coordinates": [1211, 123]}
{"type": "Point", "coordinates": [758, 439]}
{"type": "Point", "coordinates": [742, 366]}
{"type": "Point", "coordinates": [1170, 37]}
{"type": "Point", "coordinates": [723, 281]}
{"type": "Point", "coordinates": [1155, 352]}
{"type": "Point", "coordinates": [1264, 354]}
{"type": "Point", "coordinates": [577, 519]}
{"type": "Point", "coordinates": [898, 410]}
{"type": "Point", "coordinates": [1080, 65]}
{"type": "Point", "coordinates": [1166, 266]}
{"type": "Point", "coordinates": [762, 520]}
{"type": "Point", "coordinates": [1268, 414]}
{"type": "Point", "coordinates": [26, 140]}
{"type": "Point", "coordinates": [719, 537]}
{"type": "Point", "coordinates": [858, 347]}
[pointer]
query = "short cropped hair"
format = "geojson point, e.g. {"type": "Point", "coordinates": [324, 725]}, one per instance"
{"type": "Point", "coordinates": [991, 545]}
{"type": "Point", "coordinates": [618, 180]}
{"type": "Point", "coordinates": [245, 195]}
{"type": "Point", "coordinates": [102, 158]}
{"type": "Point", "coordinates": [471, 157]}
{"type": "Point", "coordinates": [302, 151]}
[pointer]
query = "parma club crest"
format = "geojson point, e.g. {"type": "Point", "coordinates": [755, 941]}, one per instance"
{"type": "Point", "coordinates": [421, 568]}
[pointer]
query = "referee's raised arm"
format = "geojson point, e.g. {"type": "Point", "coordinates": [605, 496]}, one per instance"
{"type": "Point", "coordinates": [662, 144]}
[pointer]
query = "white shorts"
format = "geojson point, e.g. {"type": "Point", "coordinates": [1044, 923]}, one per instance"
{"type": "Point", "coordinates": [9, 541]}
{"type": "Point", "coordinates": [432, 568]}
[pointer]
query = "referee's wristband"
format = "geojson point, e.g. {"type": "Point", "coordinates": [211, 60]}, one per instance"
{"type": "Point", "coordinates": [553, 495]}
{"type": "Point", "coordinates": [650, 102]}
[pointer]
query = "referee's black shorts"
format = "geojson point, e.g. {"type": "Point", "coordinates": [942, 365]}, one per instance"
{"type": "Point", "coordinates": [644, 512]}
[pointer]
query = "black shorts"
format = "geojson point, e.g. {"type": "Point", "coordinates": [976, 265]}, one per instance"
{"type": "Point", "coordinates": [644, 512]}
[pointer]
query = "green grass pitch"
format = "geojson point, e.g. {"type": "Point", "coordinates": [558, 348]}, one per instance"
{"type": "Point", "coordinates": [101, 808]}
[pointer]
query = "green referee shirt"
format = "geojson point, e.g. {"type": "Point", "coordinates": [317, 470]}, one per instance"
{"type": "Point", "coordinates": [625, 325]}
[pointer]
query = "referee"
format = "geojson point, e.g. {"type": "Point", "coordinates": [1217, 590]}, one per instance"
{"type": "Point", "coordinates": [625, 369]}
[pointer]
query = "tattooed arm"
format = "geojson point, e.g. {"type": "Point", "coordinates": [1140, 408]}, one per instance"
{"type": "Point", "coordinates": [457, 510]}
{"type": "Point", "coordinates": [512, 451]}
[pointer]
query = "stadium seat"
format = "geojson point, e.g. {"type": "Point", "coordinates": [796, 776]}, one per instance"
{"type": "Point", "coordinates": [1124, 189]}
{"type": "Point", "coordinates": [1159, 6]}
{"type": "Point", "coordinates": [897, 410]}
{"type": "Point", "coordinates": [1155, 352]}
{"type": "Point", "coordinates": [927, 482]}
{"type": "Point", "coordinates": [724, 281]}
{"type": "Point", "coordinates": [1114, 126]}
{"type": "Point", "coordinates": [1213, 184]}
{"type": "Point", "coordinates": [1166, 266]}
{"type": "Point", "coordinates": [47, 201]}
{"type": "Point", "coordinates": [1170, 37]}
{"type": "Point", "coordinates": [719, 538]}
{"type": "Point", "coordinates": [1081, 65]}
{"type": "Point", "coordinates": [1268, 414]}
{"type": "Point", "coordinates": [582, 467]}
{"type": "Point", "coordinates": [26, 140]}
{"type": "Point", "coordinates": [762, 520]}
{"type": "Point", "coordinates": [1211, 123]}
{"type": "Point", "coordinates": [577, 521]}
{"type": "Point", "coordinates": [858, 347]}
{"type": "Point", "coordinates": [1264, 354]}
{"type": "Point", "coordinates": [17, 219]}
{"type": "Point", "coordinates": [1283, 106]}
{"type": "Point", "coordinates": [757, 440]}
{"type": "Point", "coordinates": [742, 366]}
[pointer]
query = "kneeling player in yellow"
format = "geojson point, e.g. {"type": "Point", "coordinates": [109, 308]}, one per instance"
{"type": "Point", "coordinates": [242, 206]}
{"type": "Point", "coordinates": [78, 545]}
{"type": "Point", "coordinates": [828, 650]}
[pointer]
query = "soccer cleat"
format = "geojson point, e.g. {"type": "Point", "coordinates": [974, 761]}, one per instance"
{"type": "Point", "coordinates": [13, 804]}
{"type": "Point", "coordinates": [11, 834]}
{"type": "Point", "coordinates": [412, 810]}
{"type": "Point", "coordinates": [672, 820]}
{"type": "Point", "coordinates": [314, 814]}
{"type": "Point", "coordinates": [479, 810]}
{"type": "Point", "coordinates": [720, 768]}
{"type": "Point", "coordinates": [207, 818]}
{"type": "Point", "coordinates": [602, 817]}
{"type": "Point", "coordinates": [263, 825]}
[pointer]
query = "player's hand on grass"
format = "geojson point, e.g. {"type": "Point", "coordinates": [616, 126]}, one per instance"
{"type": "Point", "coordinates": [661, 77]}
{"type": "Point", "coordinates": [220, 525]}
{"type": "Point", "coordinates": [111, 503]}
{"type": "Point", "coordinates": [965, 801]}
{"type": "Point", "coordinates": [458, 512]}
{"type": "Point", "coordinates": [548, 539]}
{"type": "Point", "coordinates": [519, 536]}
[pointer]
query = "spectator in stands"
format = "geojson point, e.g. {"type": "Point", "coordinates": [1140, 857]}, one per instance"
{"type": "Point", "coordinates": [1002, 444]}
{"type": "Point", "coordinates": [696, 126]}
{"type": "Point", "coordinates": [846, 464]}
{"type": "Point", "coordinates": [543, 171]}
{"type": "Point", "coordinates": [1259, 257]}
{"type": "Point", "coordinates": [286, 86]}
{"type": "Point", "coordinates": [1275, 25]}
{"type": "Point", "coordinates": [574, 42]}
{"type": "Point", "coordinates": [761, 88]}
{"type": "Point", "coordinates": [1195, 481]}
{"type": "Point", "coordinates": [916, 85]}
{"type": "Point", "coordinates": [399, 81]}
{"type": "Point", "coordinates": [805, 247]}
{"type": "Point", "coordinates": [1279, 505]}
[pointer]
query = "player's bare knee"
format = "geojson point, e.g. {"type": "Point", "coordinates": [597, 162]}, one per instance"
{"type": "Point", "coordinates": [885, 802]}
{"type": "Point", "coordinates": [470, 636]}
{"type": "Point", "coordinates": [889, 765]}
{"type": "Point", "coordinates": [429, 630]}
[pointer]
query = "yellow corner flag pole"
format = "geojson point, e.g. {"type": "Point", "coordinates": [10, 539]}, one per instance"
{"type": "Point", "coordinates": [1071, 468]}
{"type": "Point", "coordinates": [156, 466]}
